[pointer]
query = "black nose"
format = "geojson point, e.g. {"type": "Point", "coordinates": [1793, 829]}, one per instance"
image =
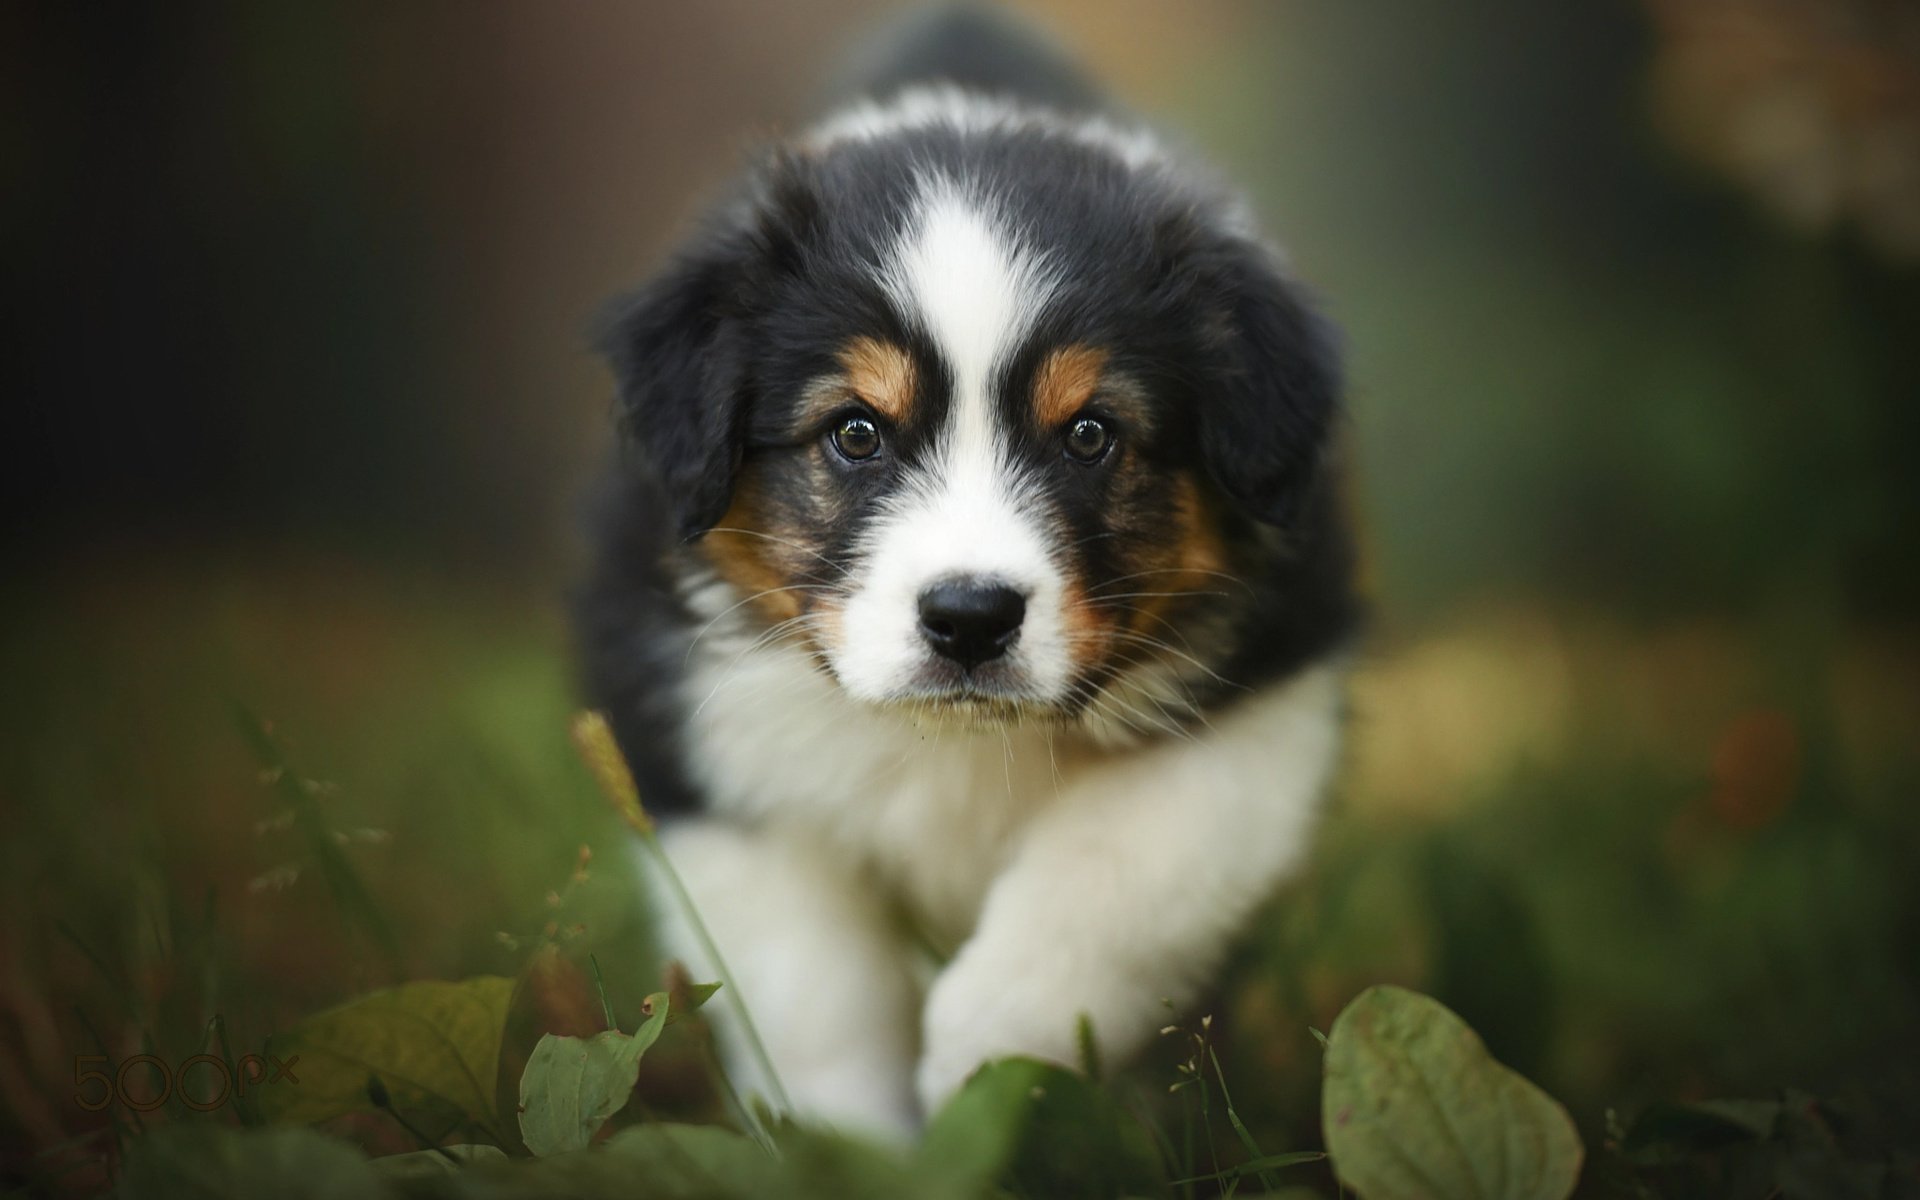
{"type": "Point", "coordinates": [970, 621]}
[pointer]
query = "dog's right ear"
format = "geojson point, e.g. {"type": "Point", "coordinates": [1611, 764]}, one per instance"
{"type": "Point", "coordinates": [680, 345]}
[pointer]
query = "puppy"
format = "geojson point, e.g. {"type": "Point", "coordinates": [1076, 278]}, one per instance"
{"type": "Point", "coordinates": [972, 587]}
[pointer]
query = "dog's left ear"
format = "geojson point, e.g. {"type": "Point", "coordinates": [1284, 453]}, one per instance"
{"type": "Point", "coordinates": [680, 346]}
{"type": "Point", "coordinates": [681, 378]}
{"type": "Point", "coordinates": [1273, 391]}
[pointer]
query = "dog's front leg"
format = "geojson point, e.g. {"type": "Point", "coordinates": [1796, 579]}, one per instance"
{"type": "Point", "coordinates": [1129, 889]}
{"type": "Point", "coordinates": [823, 971]}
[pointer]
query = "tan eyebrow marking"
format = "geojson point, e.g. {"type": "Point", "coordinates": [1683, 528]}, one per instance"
{"type": "Point", "coordinates": [882, 375]}
{"type": "Point", "coordinates": [1065, 382]}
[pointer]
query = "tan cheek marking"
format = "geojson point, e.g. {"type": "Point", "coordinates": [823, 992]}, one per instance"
{"type": "Point", "coordinates": [1195, 554]}
{"type": "Point", "coordinates": [1065, 382]}
{"type": "Point", "coordinates": [752, 564]}
{"type": "Point", "coordinates": [1187, 561]}
{"type": "Point", "coordinates": [882, 375]}
{"type": "Point", "coordinates": [1088, 626]}
{"type": "Point", "coordinates": [1089, 629]}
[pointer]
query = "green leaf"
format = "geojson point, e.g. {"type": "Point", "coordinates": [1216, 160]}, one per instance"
{"type": "Point", "coordinates": [820, 1162]}
{"type": "Point", "coordinates": [218, 1163]}
{"type": "Point", "coordinates": [697, 996]}
{"type": "Point", "coordinates": [1413, 1105]}
{"type": "Point", "coordinates": [430, 1164]}
{"type": "Point", "coordinates": [664, 1161]}
{"type": "Point", "coordinates": [974, 1137]}
{"type": "Point", "coordinates": [434, 1045]}
{"type": "Point", "coordinates": [691, 1161]}
{"type": "Point", "coordinates": [573, 1085]}
{"type": "Point", "coordinates": [1045, 1130]}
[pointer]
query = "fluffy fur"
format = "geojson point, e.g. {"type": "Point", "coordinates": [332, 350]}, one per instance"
{"type": "Point", "coordinates": [976, 332]}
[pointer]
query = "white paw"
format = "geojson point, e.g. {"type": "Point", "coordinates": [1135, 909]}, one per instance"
{"type": "Point", "coordinates": [984, 1008]}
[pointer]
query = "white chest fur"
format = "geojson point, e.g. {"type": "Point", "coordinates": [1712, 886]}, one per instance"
{"type": "Point", "coordinates": [931, 809]}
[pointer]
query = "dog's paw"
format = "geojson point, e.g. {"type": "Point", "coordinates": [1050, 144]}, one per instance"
{"type": "Point", "coordinates": [993, 1006]}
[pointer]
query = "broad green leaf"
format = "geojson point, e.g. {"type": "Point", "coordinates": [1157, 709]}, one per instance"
{"type": "Point", "coordinates": [688, 1156]}
{"type": "Point", "coordinates": [645, 1162]}
{"type": "Point", "coordinates": [1045, 1129]}
{"type": "Point", "coordinates": [664, 1161]}
{"type": "Point", "coordinates": [821, 1162]}
{"type": "Point", "coordinates": [435, 1046]}
{"type": "Point", "coordinates": [573, 1085]}
{"type": "Point", "coordinates": [221, 1163]}
{"type": "Point", "coordinates": [975, 1135]}
{"type": "Point", "coordinates": [699, 1162]}
{"type": "Point", "coordinates": [1414, 1106]}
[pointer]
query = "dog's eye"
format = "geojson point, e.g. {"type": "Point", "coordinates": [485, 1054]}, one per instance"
{"type": "Point", "coordinates": [1088, 440]}
{"type": "Point", "coordinates": [856, 438]}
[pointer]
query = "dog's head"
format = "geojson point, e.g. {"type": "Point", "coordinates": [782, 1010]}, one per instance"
{"type": "Point", "coordinates": [973, 420]}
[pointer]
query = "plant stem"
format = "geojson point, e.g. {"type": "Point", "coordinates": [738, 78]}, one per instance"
{"type": "Point", "coordinates": [749, 1118]}
{"type": "Point", "coordinates": [600, 985]}
{"type": "Point", "coordinates": [1267, 1179]}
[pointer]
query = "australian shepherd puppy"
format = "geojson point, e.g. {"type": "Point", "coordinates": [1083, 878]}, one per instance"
{"type": "Point", "coordinates": [972, 589]}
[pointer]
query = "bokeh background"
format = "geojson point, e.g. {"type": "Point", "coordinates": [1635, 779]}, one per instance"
{"type": "Point", "coordinates": [301, 408]}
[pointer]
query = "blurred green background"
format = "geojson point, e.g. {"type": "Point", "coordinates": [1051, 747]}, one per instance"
{"type": "Point", "coordinates": [302, 408]}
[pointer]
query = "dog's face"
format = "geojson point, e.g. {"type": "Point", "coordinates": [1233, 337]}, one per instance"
{"type": "Point", "coordinates": [978, 438]}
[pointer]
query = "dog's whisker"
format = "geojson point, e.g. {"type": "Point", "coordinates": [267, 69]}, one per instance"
{"type": "Point", "coordinates": [1168, 724]}
{"type": "Point", "coordinates": [801, 623]}
{"type": "Point", "coordinates": [1170, 627]}
{"type": "Point", "coordinates": [1235, 579]}
{"type": "Point", "coordinates": [1186, 703]}
{"type": "Point", "coordinates": [1108, 596]}
{"type": "Point", "coordinates": [840, 568]}
{"type": "Point", "coordinates": [1102, 640]}
{"type": "Point", "coordinates": [732, 608]}
{"type": "Point", "coordinates": [1168, 647]}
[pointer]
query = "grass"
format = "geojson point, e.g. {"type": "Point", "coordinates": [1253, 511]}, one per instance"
{"type": "Point", "coordinates": [1647, 863]}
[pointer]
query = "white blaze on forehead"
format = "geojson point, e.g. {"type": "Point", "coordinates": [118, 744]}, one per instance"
{"type": "Point", "coordinates": [975, 290]}
{"type": "Point", "coordinates": [960, 275]}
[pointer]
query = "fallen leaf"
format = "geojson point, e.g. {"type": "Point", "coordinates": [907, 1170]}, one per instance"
{"type": "Point", "coordinates": [1414, 1106]}
{"type": "Point", "coordinates": [435, 1046]}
